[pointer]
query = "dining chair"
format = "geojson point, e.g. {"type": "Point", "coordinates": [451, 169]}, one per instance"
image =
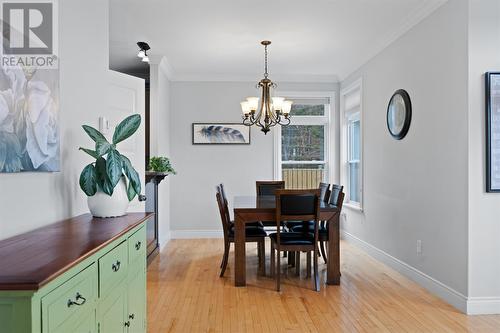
{"type": "Point", "coordinates": [337, 200]}
{"type": "Point", "coordinates": [223, 193]}
{"type": "Point", "coordinates": [268, 187]}
{"type": "Point", "coordinates": [324, 196]}
{"type": "Point", "coordinates": [295, 205]}
{"type": "Point", "coordinates": [252, 234]}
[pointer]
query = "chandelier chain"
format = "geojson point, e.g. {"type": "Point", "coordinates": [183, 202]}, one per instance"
{"type": "Point", "coordinates": [265, 62]}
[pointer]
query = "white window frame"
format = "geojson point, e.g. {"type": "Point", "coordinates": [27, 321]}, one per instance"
{"type": "Point", "coordinates": [308, 120]}
{"type": "Point", "coordinates": [349, 113]}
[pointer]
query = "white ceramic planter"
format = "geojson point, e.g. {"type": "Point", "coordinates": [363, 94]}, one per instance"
{"type": "Point", "coordinates": [103, 205]}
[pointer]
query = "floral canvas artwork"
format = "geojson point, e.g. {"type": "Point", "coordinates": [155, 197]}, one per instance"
{"type": "Point", "coordinates": [29, 125]}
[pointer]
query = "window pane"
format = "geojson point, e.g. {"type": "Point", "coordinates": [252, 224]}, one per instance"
{"type": "Point", "coordinates": [354, 182]}
{"type": "Point", "coordinates": [355, 142]}
{"type": "Point", "coordinates": [307, 110]}
{"type": "Point", "coordinates": [302, 176]}
{"type": "Point", "coordinates": [303, 143]}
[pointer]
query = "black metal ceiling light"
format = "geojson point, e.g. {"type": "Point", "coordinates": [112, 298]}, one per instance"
{"type": "Point", "coordinates": [143, 48]}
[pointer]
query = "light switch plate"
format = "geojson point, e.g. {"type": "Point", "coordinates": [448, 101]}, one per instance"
{"type": "Point", "coordinates": [103, 125]}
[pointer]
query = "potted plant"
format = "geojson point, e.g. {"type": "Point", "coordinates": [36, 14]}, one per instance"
{"type": "Point", "coordinates": [160, 164]}
{"type": "Point", "coordinates": [110, 182]}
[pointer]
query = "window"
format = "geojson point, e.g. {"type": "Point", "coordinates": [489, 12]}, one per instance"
{"type": "Point", "coordinates": [351, 145]}
{"type": "Point", "coordinates": [301, 158]}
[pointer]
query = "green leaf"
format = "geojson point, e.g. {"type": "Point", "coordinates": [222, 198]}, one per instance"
{"type": "Point", "coordinates": [160, 164]}
{"type": "Point", "coordinates": [88, 181]}
{"type": "Point", "coordinates": [130, 192]}
{"type": "Point", "coordinates": [92, 153]}
{"type": "Point", "coordinates": [102, 147]}
{"type": "Point", "coordinates": [102, 176]}
{"type": "Point", "coordinates": [114, 167]}
{"type": "Point", "coordinates": [126, 128]}
{"type": "Point", "coordinates": [131, 174]}
{"type": "Point", "coordinates": [94, 134]}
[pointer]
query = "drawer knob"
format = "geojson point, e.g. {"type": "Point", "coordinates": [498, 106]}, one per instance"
{"type": "Point", "coordinates": [116, 266]}
{"type": "Point", "coordinates": [131, 316]}
{"type": "Point", "coordinates": [79, 300]}
{"type": "Point", "coordinates": [127, 323]}
{"type": "Point", "coordinates": [138, 245]}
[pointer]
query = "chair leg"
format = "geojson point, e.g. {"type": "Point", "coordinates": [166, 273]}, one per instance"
{"type": "Point", "coordinates": [273, 266]}
{"type": "Point", "coordinates": [323, 252]}
{"type": "Point", "coordinates": [297, 263]}
{"type": "Point", "coordinates": [278, 268]}
{"type": "Point", "coordinates": [262, 258]}
{"type": "Point", "coordinates": [225, 258]}
{"type": "Point", "coordinates": [308, 260]}
{"type": "Point", "coordinates": [316, 275]}
{"type": "Point", "coordinates": [291, 259]}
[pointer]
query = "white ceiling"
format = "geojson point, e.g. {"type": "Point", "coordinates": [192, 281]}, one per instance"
{"type": "Point", "coordinates": [312, 40]}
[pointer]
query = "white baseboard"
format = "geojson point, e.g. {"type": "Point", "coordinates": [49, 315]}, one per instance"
{"type": "Point", "coordinates": [164, 240]}
{"type": "Point", "coordinates": [193, 234]}
{"type": "Point", "coordinates": [448, 294]}
{"type": "Point", "coordinates": [483, 305]}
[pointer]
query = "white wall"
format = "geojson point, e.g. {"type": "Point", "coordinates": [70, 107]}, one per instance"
{"type": "Point", "coordinates": [484, 208]}
{"type": "Point", "coordinates": [416, 188]}
{"type": "Point", "coordinates": [30, 200]}
{"type": "Point", "coordinates": [200, 168]}
{"type": "Point", "coordinates": [160, 104]}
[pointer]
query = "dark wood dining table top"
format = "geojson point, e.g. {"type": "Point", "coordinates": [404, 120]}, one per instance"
{"type": "Point", "coordinates": [266, 203]}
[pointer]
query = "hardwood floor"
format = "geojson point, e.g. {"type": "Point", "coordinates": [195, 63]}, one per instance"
{"type": "Point", "coordinates": [185, 294]}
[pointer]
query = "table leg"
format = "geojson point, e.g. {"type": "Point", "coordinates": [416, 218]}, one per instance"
{"type": "Point", "coordinates": [239, 252]}
{"type": "Point", "coordinates": [333, 265]}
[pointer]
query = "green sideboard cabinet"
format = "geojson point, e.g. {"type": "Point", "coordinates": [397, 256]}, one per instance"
{"type": "Point", "coordinates": [79, 275]}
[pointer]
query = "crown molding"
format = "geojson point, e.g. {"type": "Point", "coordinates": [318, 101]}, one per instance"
{"type": "Point", "coordinates": [302, 78]}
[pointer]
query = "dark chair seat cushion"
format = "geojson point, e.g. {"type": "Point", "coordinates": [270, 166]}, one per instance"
{"type": "Point", "coordinates": [250, 231]}
{"type": "Point", "coordinates": [322, 231]}
{"type": "Point", "coordinates": [253, 224]}
{"type": "Point", "coordinates": [310, 228]}
{"type": "Point", "coordinates": [293, 238]}
{"type": "Point", "coordinates": [292, 224]}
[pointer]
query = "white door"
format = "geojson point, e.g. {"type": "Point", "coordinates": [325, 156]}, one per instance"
{"type": "Point", "coordinates": [126, 97]}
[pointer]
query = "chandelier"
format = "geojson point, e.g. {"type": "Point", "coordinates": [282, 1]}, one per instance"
{"type": "Point", "coordinates": [271, 110]}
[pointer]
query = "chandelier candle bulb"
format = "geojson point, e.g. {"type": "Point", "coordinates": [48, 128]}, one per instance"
{"type": "Point", "coordinates": [278, 103]}
{"type": "Point", "coordinates": [286, 107]}
{"type": "Point", "coordinates": [245, 108]}
{"type": "Point", "coordinates": [253, 103]}
{"type": "Point", "coordinates": [141, 54]}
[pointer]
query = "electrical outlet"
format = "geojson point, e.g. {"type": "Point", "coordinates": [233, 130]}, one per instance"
{"type": "Point", "coordinates": [419, 246]}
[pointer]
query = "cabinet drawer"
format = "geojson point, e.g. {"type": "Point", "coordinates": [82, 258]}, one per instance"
{"type": "Point", "coordinates": [72, 300]}
{"type": "Point", "coordinates": [112, 268]}
{"type": "Point", "coordinates": [137, 245]}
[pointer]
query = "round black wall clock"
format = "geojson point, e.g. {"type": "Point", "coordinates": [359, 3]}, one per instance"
{"type": "Point", "coordinates": [399, 114]}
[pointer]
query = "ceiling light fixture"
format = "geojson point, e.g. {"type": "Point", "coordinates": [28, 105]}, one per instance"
{"type": "Point", "coordinates": [272, 110]}
{"type": "Point", "coordinates": [143, 48]}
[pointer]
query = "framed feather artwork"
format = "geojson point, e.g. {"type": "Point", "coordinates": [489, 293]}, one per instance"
{"type": "Point", "coordinates": [221, 133]}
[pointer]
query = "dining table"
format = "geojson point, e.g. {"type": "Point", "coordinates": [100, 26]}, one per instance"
{"type": "Point", "coordinates": [248, 209]}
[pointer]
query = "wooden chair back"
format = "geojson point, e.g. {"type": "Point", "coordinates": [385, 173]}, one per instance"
{"type": "Point", "coordinates": [325, 192]}
{"type": "Point", "coordinates": [337, 196]}
{"type": "Point", "coordinates": [223, 211]}
{"type": "Point", "coordinates": [297, 205]}
{"type": "Point", "coordinates": [269, 187]}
